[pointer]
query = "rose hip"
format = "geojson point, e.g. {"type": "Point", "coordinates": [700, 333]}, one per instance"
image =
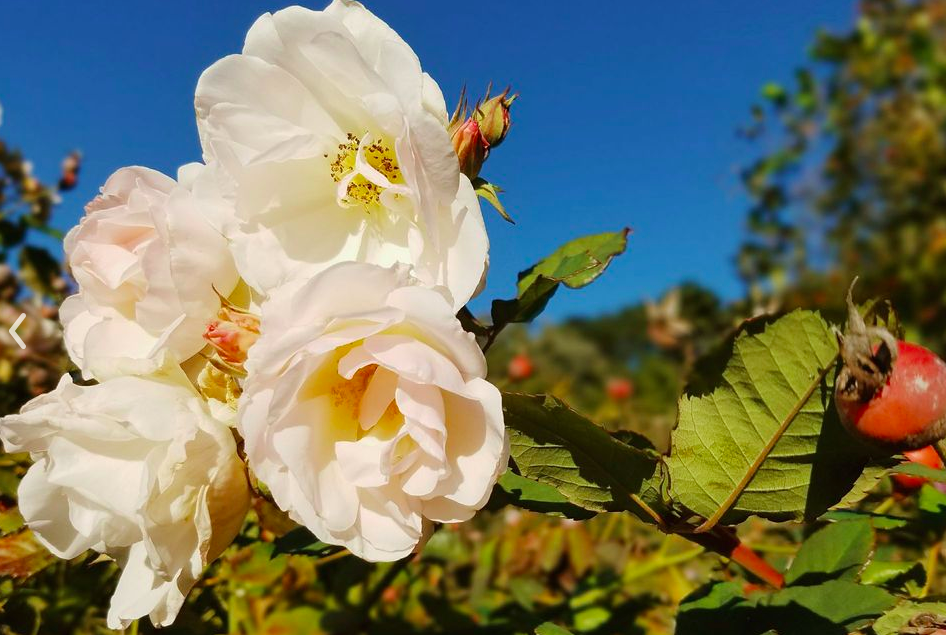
{"type": "Point", "coordinates": [892, 394]}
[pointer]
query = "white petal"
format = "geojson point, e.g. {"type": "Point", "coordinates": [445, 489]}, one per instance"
{"type": "Point", "coordinates": [140, 592]}
{"type": "Point", "coordinates": [478, 451]}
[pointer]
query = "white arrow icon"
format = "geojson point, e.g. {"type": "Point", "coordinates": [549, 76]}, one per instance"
{"type": "Point", "coordinates": [13, 328]}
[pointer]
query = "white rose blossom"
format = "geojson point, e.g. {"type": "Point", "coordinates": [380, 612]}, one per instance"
{"type": "Point", "coordinates": [332, 146]}
{"type": "Point", "coordinates": [137, 469]}
{"type": "Point", "coordinates": [147, 261]}
{"type": "Point", "coordinates": [366, 411]}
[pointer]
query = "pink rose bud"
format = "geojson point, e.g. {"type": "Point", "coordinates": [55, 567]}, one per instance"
{"type": "Point", "coordinates": [493, 117]}
{"type": "Point", "coordinates": [232, 334]}
{"type": "Point", "coordinates": [471, 147]}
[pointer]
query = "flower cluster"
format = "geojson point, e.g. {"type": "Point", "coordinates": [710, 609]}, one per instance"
{"type": "Point", "coordinates": [289, 304]}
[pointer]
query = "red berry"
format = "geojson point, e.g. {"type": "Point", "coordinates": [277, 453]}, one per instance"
{"type": "Point", "coordinates": [924, 456]}
{"type": "Point", "coordinates": [907, 411]}
{"type": "Point", "coordinates": [520, 367]}
{"type": "Point", "coordinates": [619, 388]}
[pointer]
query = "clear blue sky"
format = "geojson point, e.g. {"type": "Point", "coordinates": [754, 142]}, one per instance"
{"type": "Point", "coordinates": [627, 114]}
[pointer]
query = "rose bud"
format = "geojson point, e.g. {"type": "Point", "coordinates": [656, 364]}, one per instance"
{"type": "Point", "coordinates": [232, 334]}
{"type": "Point", "coordinates": [493, 117]}
{"type": "Point", "coordinates": [471, 147]}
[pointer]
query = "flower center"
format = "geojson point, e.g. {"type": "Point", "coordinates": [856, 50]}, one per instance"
{"type": "Point", "coordinates": [347, 394]}
{"type": "Point", "coordinates": [364, 168]}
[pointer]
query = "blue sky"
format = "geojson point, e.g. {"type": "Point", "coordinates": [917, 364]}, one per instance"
{"type": "Point", "coordinates": [627, 116]}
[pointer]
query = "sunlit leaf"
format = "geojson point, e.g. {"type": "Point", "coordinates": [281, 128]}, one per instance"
{"type": "Point", "coordinates": [913, 615]}
{"type": "Point", "coordinates": [767, 439]}
{"type": "Point", "coordinates": [838, 550]}
{"type": "Point", "coordinates": [575, 264]}
{"type": "Point", "coordinates": [893, 574]}
{"type": "Point", "coordinates": [490, 192]}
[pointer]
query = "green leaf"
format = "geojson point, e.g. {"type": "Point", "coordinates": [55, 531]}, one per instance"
{"type": "Point", "coordinates": [538, 497]}
{"type": "Point", "coordinates": [490, 192]}
{"type": "Point", "coordinates": [835, 607]}
{"type": "Point", "coordinates": [11, 233]}
{"type": "Point", "coordinates": [297, 621]}
{"type": "Point", "coordinates": [931, 501]}
{"type": "Point", "coordinates": [711, 609]}
{"type": "Point", "coordinates": [553, 444]}
{"type": "Point", "coordinates": [9, 483]}
{"type": "Point", "coordinates": [10, 521]}
{"type": "Point", "coordinates": [911, 614]}
{"type": "Point", "coordinates": [874, 472]}
{"type": "Point", "coordinates": [841, 602]}
{"type": "Point", "coordinates": [300, 541]}
{"type": "Point", "coordinates": [838, 550]}
{"type": "Point", "coordinates": [525, 590]}
{"type": "Point", "coordinates": [918, 469]}
{"type": "Point", "coordinates": [22, 555]}
{"type": "Point", "coordinates": [575, 264]}
{"type": "Point", "coordinates": [526, 306]}
{"type": "Point", "coordinates": [880, 521]}
{"type": "Point", "coordinates": [591, 618]}
{"type": "Point", "coordinates": [893, 574]}
{"type": "Point", "coordinates": [767, 440]}
{"type": "Point", "coordinates": [548, 628]}
{"type": "Point", "coordinates": [775, 93]}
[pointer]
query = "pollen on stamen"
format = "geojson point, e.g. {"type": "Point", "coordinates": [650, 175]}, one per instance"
{"type": "Point", "coordinates": [347, 394]}
{"type": "Point", "coordinates": [360, 190]}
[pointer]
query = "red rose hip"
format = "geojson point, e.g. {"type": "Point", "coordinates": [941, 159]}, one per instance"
{"type": "Point", "coordinates": [619, 388]}
{"type": "Point", "coordinates": [924, 456]}
{"type": "Point", "coordinates": [893, 394]}
{"type": "Point", "coordinates": [520, 367]}
{"type": "Point", "coordinates": [909, 409]}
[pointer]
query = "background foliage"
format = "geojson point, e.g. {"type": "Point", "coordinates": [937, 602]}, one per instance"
{"type": "Point", "coordinates": [850, 180]}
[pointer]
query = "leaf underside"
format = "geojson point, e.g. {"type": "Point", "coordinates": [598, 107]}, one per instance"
{"type": "Point", "coordinates": [721, 436]}
{"type": "Point", "coordinates": [553, 444]}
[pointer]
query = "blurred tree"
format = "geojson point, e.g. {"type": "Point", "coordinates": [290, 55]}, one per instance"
{"type": "Point", "coordinates": [853, 179]}
{"type": "Point", "coordinates": [36, 285]}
